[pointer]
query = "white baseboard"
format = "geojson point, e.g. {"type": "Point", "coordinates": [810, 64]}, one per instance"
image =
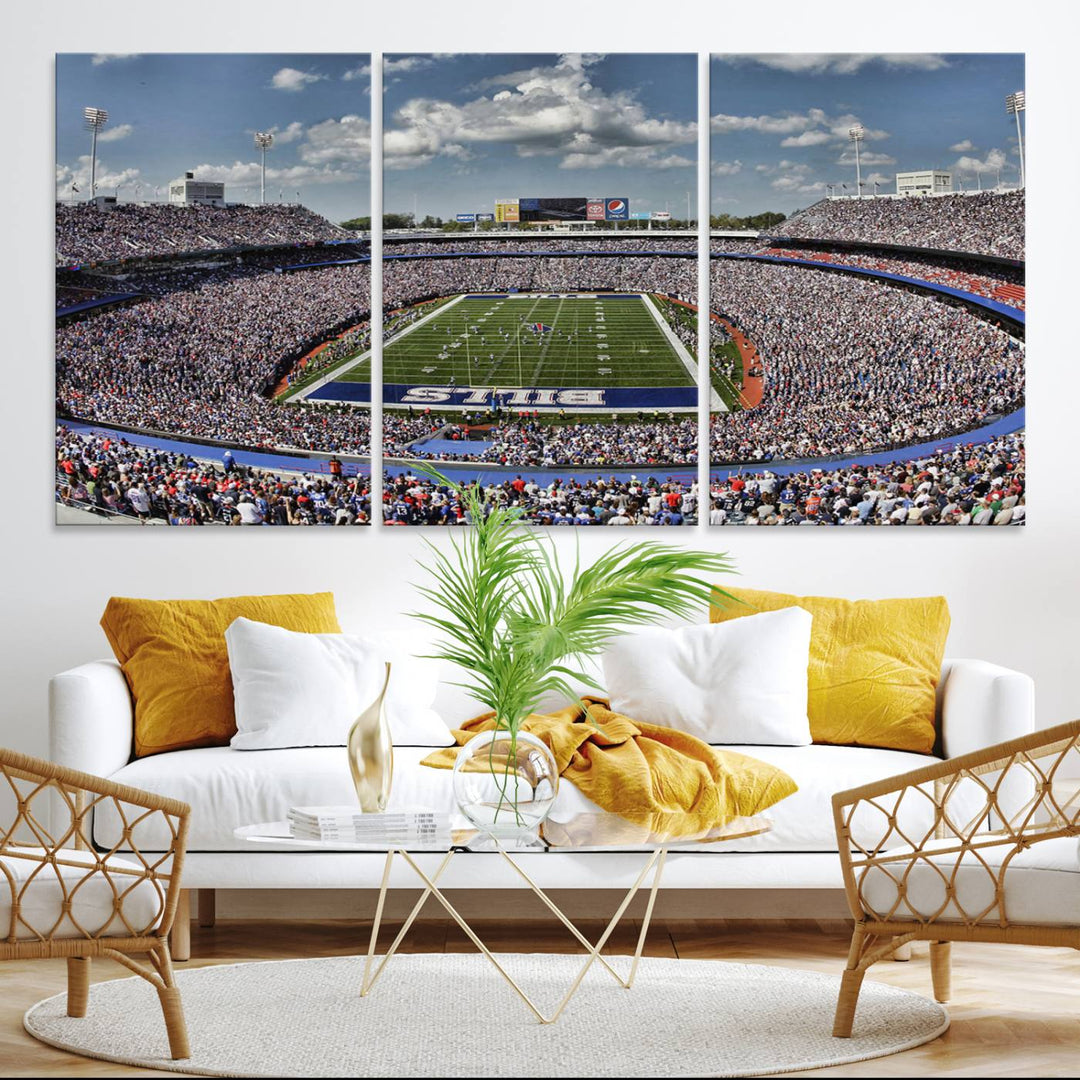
{"type": "Point", "coordinates": [511, 904]}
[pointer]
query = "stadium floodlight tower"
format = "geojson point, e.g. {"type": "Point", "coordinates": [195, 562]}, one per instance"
{"type": "Point", "coordinates": [95, 120]}
{"type": "Point", "coordinates": [1015, 104]}
{"type": "Point", "coordinates": [263, 141]}
{"type": "Point", "coordinates": [856, 134]}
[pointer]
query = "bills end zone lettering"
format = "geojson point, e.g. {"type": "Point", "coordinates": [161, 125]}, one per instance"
{"type": "Point", "coordinates": [516, 398]}
{"type": "Point", "coordinates": [572, 399]}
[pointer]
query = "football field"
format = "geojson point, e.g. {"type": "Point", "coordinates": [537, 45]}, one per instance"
{"type": "Point", "coordinates": [536, 341]}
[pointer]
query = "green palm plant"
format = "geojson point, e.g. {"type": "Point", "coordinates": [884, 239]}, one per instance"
{"type": "Point", "coordinates": [519, 630]}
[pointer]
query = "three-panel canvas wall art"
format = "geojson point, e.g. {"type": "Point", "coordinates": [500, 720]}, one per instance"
{"type": "Point", "coordinates": [860, 359]}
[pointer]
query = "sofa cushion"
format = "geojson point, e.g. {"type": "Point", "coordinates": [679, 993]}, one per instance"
{"type": "Point", "coordinates": [296, 689]}
{"type": "Point", "coordinates": [1041, 885]}
{"type": "Point", "coordinates": [177, 666]}
{"type": "Point", "coordinates": [738, 682]}
{"type": "Point", "coordinates": [227, 788]}
{"type": "Point", "coordinates": [92, 912]}
{"type": "Point", "coordinates": [874, 664]}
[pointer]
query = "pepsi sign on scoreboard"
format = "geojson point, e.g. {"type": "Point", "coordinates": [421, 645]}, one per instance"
{"type": "Point", "coordinates": [616, 209]}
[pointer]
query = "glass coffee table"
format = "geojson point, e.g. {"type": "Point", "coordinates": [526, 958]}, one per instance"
{"type": "Point", "coordinates": [652, 835]}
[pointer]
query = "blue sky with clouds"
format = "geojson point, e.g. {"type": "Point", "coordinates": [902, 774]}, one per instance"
{"type": "Point", "coordinates": [169, 113]}
{"type": "Point", "coordinates": [779, 122]}
{"type": "Point", "coordinates": [463, 130]}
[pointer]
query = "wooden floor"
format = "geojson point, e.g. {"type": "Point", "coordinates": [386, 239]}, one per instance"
{"type": "Point", "coordinates": [1015, 1009]}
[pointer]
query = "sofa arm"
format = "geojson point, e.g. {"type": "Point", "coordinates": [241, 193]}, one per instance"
{"type": "Point", "coordinates": [981, 704]}
{"type": "Point", "coordinates": [91, 719]}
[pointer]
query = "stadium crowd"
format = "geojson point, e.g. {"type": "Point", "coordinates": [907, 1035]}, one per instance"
{"type": "Point", "coordinates": [976, 277]}
{"type": "Point", "coordinates": [517, 242]}
{"type": "Point", "coordinates": [86, 234]}
{"type": "Point", "coordinates": [407, 280]}
{"type": "Point", "coordinates": [530, 443]}
{"type": "Point", "coordinates": [109, 476]}
{"type": "Point", "coordinates": [969, 485]}
{"type": "Point", "coordinates": [854, 365]}
{"type": "Point", "coordinates": [985, 223]}
{"type": "Point", "coordinates": [197, 360]}
{"type": "Point", "coordinates": [409, 499]}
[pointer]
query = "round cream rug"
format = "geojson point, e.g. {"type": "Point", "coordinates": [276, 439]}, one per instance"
{"type": "Point", "coordinates": [451, 1014]}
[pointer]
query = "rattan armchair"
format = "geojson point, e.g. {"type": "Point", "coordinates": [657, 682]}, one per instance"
{"type": "Point", "coordinates": [59, 897]}
{"type": "Point", "coordinates": [981, 847]}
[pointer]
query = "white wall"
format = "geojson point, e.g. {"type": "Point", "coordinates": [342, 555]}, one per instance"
{"type": "Point", "coordinates": [1013, 592]}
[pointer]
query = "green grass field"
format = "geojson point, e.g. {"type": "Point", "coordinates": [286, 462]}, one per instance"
{"type": "Point", "coordinates": [594, 342]}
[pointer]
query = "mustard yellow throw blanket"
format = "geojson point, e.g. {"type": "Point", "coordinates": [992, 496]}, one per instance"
{"type": "Point", "coordinates": [639, 770]}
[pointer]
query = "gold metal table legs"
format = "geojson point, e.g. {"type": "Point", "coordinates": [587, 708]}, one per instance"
{"type": "Point", "coordinates": [654, 862]}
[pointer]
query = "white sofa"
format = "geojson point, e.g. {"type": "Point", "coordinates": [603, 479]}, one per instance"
{"type": "Point", "coordinates": [91, 729]}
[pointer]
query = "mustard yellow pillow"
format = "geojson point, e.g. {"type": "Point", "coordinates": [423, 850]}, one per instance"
{"type": "Point", "coordinates": [174, 657]}
{"type": "Point", "coordinates": [874, 664]}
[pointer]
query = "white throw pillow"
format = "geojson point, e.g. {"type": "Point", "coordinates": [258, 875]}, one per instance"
{"type": "Point", "coordinates": [297, 689]}
{"type": "Point", "coordinates": [742, 682]}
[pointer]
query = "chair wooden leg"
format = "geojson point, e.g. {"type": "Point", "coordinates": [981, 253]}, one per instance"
{"type": "Point", "coordinates": [207, 907]}
{"type": "Point", "coordinates": [902, 952]}
{"type": "Point", "coordinates": [181, 929]}
{"type": "Point", "coordinates": [78, 971]}
{"type": "Point", "coordinates": [173, 1010]}
{"type": "Point", "coordinates": [941, 969]}
{"type": "Point", "coordinates": [172, 1007]}
{"type": "Point", "coordinates": [850, 985]}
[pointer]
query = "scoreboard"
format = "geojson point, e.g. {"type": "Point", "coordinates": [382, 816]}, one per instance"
{"type": "Point", "coordinates": [566, 209]}
{"type": "Point", "coordinates": [569, 208]}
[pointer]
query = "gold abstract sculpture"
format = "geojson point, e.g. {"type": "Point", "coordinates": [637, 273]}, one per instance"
{"type": "Point", "coordinates": [371, 754]}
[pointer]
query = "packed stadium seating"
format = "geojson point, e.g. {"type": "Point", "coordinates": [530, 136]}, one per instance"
{"type": "Point", "coordinates": [86, 234]}
{"type": "Point", "coordinates": [852, 366]}
{"type": "Point", "coordinates": [967, 485]}
{"type": "Point", "coordinates": [855, 365]}
{"type": "Point", "coordinates": [409, 499]}
{"type": "Point", "coordinates": [984, 223]}
{"type": "Point", "coordinates": [1005, 284]}
{"type": "Point", "coordinates": [108, 476]}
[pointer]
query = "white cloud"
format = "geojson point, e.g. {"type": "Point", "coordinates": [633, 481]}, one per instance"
{"type": "Point", "coordinates": [963, 146]}
{"type": "Point", "coordinates": [792, 168]}
{"type": "Point", "coordinates": [288, 134]}
{"type": "Point", "coordinates": [247, 174]}
{"type": "Point", "coordinates": [106, 58]}
{"type": "Point", "coordinates": [115, 134]}
{"type": "Point", "coordinates": [797, 184]}
{"type": "Point", "coordinates": [406, 63]}
{"type": "Point", "coordinates": [808, 138]}
{"type": "Point", "coordinates": [726, 168]}
{"type": "Point", "coordinates": [550, 110]}
{"type": "Point", "coordinates": [361, 72]}
{"type": "Point", "coordinates": [639, 157]}
{"type": "Point", "coordinates": [334, 142]}
{"type": "Point", "coordinates": [866, 157]}
{"type": "Point", "coordinates": [107, 179]}
{"type": "Point", "coordinates": [812, 128]}
{"type": "Point", "coordinates": [838, 63]}
{"type": "Point", "coordinates": [785, 124]}
{"type": "Point", "coordinates": [293, 80]}
{"type": "Point", "coordinates": [995, 159]}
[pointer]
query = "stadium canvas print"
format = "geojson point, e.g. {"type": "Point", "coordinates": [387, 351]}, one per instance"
{"type": "Point", "coordinates": [540, 312]}
{"type": "Point", "coordinates": [212, 262]}
{"type": "Point", "coordinates": [867, 290]}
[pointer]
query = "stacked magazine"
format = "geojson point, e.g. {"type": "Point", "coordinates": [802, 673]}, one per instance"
{"type": "Point", "coordinates": [409, 827]}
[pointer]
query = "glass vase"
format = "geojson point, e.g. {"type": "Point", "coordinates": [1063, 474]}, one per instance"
{"type": "Point", "coordinates": [371, 754]}
{"type": "Point", "coordinates": [505, 784]}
